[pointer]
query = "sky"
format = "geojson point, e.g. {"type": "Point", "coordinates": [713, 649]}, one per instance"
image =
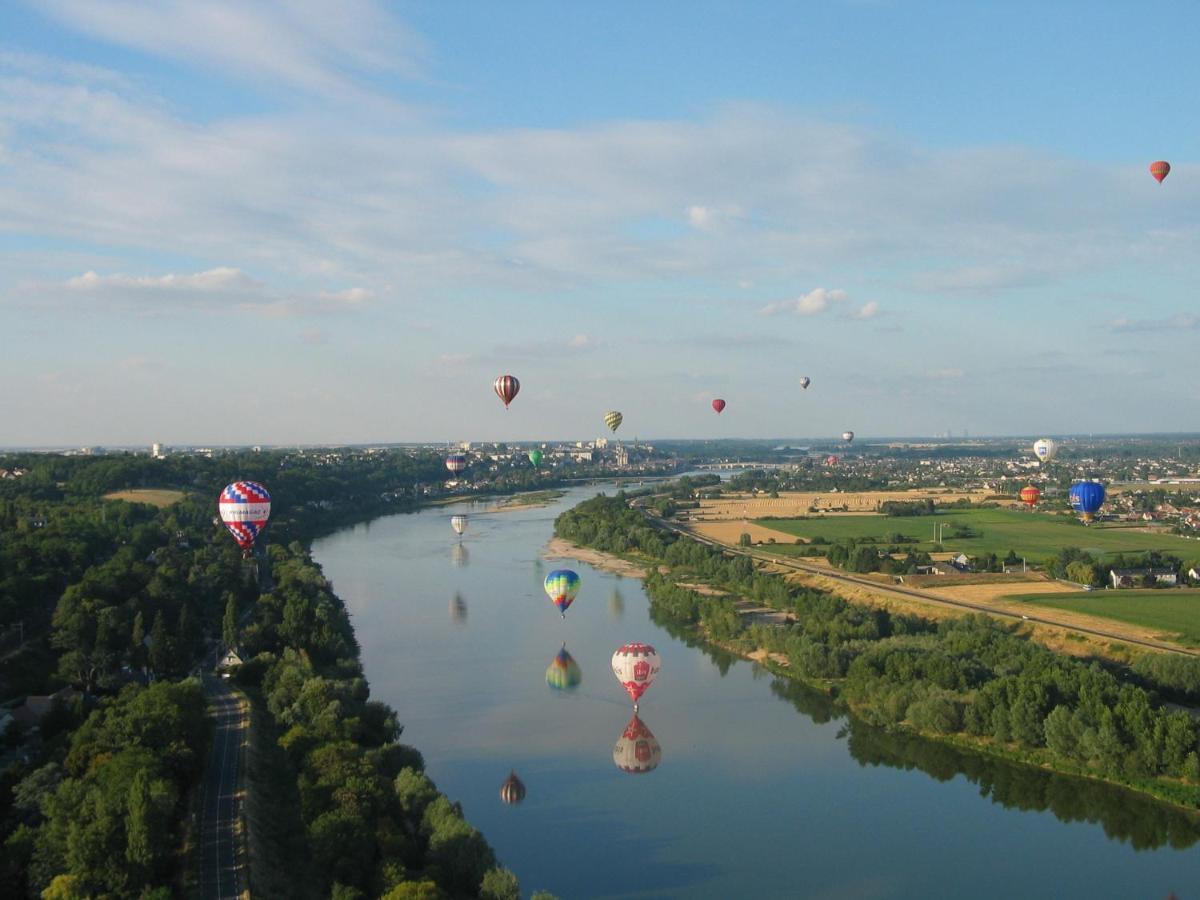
{"type": "Point", "coordinates": [238, 222]}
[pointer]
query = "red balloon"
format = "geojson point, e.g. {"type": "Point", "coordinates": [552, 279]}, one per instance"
{"type": "Point", "coordinates": [718, 405]}
{"type": "Point", "coordinates": [1160, 170]}
{"type": "Point", "coordinates": [1029, 495]}
{"type": "Point", "coordinates": [506, 387]}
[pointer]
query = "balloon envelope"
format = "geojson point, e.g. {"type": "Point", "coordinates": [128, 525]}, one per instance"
{"type": "Point", "coordinates": [459, 524]}
{"type": "Point", "coordinates": [718, 405]}
{"type": "Point", "coordinates": [805, 382]}
{"type": "Point", "coordinates": [1086, 498]}
{"type": "Point", "coordinates": [245, 507]}
{"type": "Point", "coordinates": [512, 791]}
{"type": "Point", "coordinates": [636, 666]}
{"type": "Point", "coordinates": [535, 457]}
{"type": "Point", "coordinates": [613, 420]}
{"type": "Point", "coordinates": [638, 750]}
{"type": "Point", "coordinates": [847, 436]}
{"type": "Point", "coordinates": [1030, 495]}
{"type": "Point", "coordinates": [506, 388]}
{"type": "Point", "coordinates": [1045, 449]}
{"type": "Point", "coordinates": [456, 462]}
{"type": "Point", "coordinates": [563, 673]}
{"type": "Point", "coordinates": [561, 586]}
{"type": "Point", "coordinates": [1160, 170]}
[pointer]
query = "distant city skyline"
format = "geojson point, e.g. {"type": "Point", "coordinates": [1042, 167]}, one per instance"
{"type": "Point", "coordinates": [240, 223]}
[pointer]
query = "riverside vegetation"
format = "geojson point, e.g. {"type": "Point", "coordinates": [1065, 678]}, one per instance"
{"type": "Point", "coordinates": [118, 602]}
{"type": "Point", "coordinates": [970, 680]}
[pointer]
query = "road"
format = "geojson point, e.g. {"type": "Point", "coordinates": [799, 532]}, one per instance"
{"type": "Point", "coordinates": [221, 875]}
{"type": "Point", "coordinates": [923, 596]}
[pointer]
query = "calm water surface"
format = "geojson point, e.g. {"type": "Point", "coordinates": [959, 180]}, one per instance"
{"type": "Point", "coordinates": [760, 792]}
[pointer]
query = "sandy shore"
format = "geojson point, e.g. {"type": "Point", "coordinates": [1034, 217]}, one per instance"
{"type": "Point", "coordinates": [557, 548]}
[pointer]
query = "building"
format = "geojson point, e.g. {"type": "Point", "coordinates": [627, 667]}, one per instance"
{"type": "Point", "coordinates": [158, 451]}
{"type": "Point", "coordinates": [1131, 578]}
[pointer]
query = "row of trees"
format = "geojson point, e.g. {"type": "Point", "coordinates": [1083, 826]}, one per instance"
{"type": "Point", "coordinates": [971, 677]}
{"type": "Point", "coordinates": [374, 823]}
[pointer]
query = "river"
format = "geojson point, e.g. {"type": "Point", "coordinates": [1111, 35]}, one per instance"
{"type": "Point", "coordinates": [760, 791]}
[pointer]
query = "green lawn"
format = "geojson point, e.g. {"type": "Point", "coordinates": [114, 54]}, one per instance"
{"type": "Point", "coordinates": [1170, 612]}
{"type": "Point", "coordinates": [1037, 536]}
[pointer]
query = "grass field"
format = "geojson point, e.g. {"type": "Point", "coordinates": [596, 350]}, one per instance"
{"type": "Point", "coordinates": [1034, 535]}
{"type": "Point", "coordinates": [1170, 612]}
{"type": "Point", "coordinates": [152, 496]}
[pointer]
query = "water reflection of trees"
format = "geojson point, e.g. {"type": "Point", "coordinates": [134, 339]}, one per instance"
{"type": "Point", "coordinates": [1124, 815]}
{"type": "Point", "coordinates": [722, 659]}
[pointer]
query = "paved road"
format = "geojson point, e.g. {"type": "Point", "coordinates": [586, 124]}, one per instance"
{"type": "Point", "coordinates": [221, 878]}
{"type": "Point", "coordinates": [923, 596]}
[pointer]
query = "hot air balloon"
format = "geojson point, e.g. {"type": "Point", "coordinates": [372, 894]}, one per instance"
{"type": "Point", "coordinates": [535, 457]}
{"type": "Point", "coordinates": [848, 436]}
{"type": "Point", "coordinates": [1086, 498]}
{"type": "Point", "coordinates": [506, 387]}
{"type": "Point", "coordinates": [563, 674]}
{"type": "Point", "coordinates": [458, 608]}
{"type": "Point", "coordinates": [805, 382]}
{"type": "Point", "coordinates": [1160, 170]}
{"type": "Point", "coordinates": [561, 587]}
{"type": "Point", "coordinates": [718, 405]}
{"type": "Point", "coordinates": [636, 666]}
{"type": "Point", "coordinates": [512, 791]}
{"type": "Point", "coordinates": [456, 462]}
{"type": "Point", "coordinates": [831, 460]}
{"type": "Point", "coordinates": [245, 507]}
{"type": "Point", "coordinates": [1045, 449]}
{"type": "Point", "coordinates": [459, 524]}
{"type": "Point", "coordinates": [1029, 495]}
{"type": "Point", "coordinates": [613, 420]}
{"type": "Point", "coordinates": [638, 750]}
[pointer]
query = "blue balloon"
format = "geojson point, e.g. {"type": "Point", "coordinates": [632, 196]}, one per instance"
{"type": "Point", "coordinates": [1087, 496]}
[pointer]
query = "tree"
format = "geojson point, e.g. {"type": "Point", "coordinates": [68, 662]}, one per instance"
{"type": "Point", "coordinates": [229, 625]}
{"type": "Point", "coordinates": [744, 539]}
{"type": "Point", "coordinates": [162, 648]}
{"type": "Point", "coordinates": [137, 654]}
{"type": "Point", "coordinates": [500, 884]}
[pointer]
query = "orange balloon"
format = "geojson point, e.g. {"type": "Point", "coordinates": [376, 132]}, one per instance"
{"type": "Point", "coordinates": [1160, 170]}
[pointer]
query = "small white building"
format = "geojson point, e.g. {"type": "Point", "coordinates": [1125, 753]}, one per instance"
{"type": "Point", "coordinates": [1132, 578]}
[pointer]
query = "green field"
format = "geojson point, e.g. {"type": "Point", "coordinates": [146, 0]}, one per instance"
{"type": "Point", "coordinates": [1169, 612]}
{"type": "Point", "coordinates": [1037, 536]}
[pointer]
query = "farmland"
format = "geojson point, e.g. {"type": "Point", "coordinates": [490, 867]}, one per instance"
{"type": "Point", "coordinates": [1035, 535]}
{"type": "Point", "coordinates": [1167, 611]}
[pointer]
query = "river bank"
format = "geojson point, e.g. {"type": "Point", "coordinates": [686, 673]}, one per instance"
{"type": "Point", "coordinates": [778, 664]}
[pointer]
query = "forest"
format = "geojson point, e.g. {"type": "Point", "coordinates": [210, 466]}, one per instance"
{"type": "Point", "coordinates": [112, 609]}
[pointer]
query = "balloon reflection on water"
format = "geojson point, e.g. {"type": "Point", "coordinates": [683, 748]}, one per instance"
{"type": "Point", "coordinates": [563, 673]}
{"type": "Point", "coordinates": [616, 604]}
{"type": "Point", "coordinates": [637, 750]}
{"type": "Point", "coordinates": [459, 555]}
{"type": "Point", "coordinates": [458, 608]}
{"type": "Point", "coordinates": [512, 791]}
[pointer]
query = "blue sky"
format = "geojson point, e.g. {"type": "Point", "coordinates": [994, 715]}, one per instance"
{"type": "Point", "coordinates": [239, 222]}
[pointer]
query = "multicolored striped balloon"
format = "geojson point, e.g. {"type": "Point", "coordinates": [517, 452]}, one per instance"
{"type": "Point", "coordinates": [613, 420]}
{"type": "Point", "coordinates": [459, 524]}
{"type": "Point", "coordinates": [1160, 170]}
{"type": "Point", "coordinates": [564, 673]}
{"type": "Point", "coordinates": [456, 462]}
{"type": "Point", "coordinates": [245, 507]}
{"type": "Point", "coordinates": [561, 586]}
{"type": "Point", "coordinates": [506, 387]}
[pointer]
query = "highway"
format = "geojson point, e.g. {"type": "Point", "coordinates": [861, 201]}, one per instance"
{"type": "Point", "coordinates": [221, 875]}
{"type": "Point", "coordinates": [912, 593]}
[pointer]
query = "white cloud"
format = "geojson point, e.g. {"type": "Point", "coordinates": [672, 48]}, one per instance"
{"type": "Point", "coordinates": [222, 288]}
{"type": "Point", "coordinates": [813, 303]}
{"type": "Point", "coordinates": [868, 310]}
{"type": "Point", "coordinates": [308, 44]}
{"type": "Point", "coordinates": [1177, 322]}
